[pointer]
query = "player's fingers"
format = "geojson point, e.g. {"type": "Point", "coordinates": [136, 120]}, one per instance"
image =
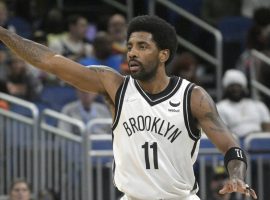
{"type": "Point", "coordinates": [253, 194]}
{"type": "Point", "coordinates": [250, 192]}
{"type": "Point", "coordinates": [227, 188]}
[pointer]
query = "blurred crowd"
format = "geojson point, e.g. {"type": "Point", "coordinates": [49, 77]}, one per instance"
{"type": "Point", "coordinates": [75, 37]}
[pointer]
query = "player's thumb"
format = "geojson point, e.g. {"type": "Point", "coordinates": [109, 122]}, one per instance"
{"type": "Point", "coordinates": [223, 190]}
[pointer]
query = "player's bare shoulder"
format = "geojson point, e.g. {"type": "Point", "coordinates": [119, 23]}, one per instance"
{"type": "Point", "coordinates": [201, 102]}
{"type": "Point", "coordinates": [110, 78]}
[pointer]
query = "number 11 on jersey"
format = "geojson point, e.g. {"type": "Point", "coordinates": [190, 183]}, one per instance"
{"type": "Point", "coordinates": [153, 146]}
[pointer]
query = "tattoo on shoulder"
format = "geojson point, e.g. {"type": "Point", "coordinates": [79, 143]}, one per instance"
{"type": "Point", "coordinates": [211, 113]}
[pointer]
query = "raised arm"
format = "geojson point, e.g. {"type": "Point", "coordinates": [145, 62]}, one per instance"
{"type": "Point", "coordinates": [102, 80]}
{"type": "Point", "coordinates": [204, 110]}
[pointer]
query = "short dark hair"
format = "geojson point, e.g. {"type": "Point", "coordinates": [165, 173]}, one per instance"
{"type": "Point", "coordinates": [163, 33]}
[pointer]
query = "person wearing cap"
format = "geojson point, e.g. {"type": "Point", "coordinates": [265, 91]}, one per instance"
{"type": "Point", "coordinates": [242, 114]}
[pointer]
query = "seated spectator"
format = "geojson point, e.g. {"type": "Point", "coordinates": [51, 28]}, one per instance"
{"type": "Point", "coordinates": [249, 6]}
{"type": "Point", "coordinates": [117, 27]}
{"type": "Point", "coordinates": [20, 82]}
{"type": "Point", "coordinates": [102, 53]}
{"type": "Point", "coordinates": [242, 115]}
{"type": "Point", "coordinates": [185, 65]}
{"type": "Point", "coordinates": [85, 109]}
{"type": "Point", "coordinates": [258, 37]}
{"type": "Point", "coordinates": [73, 44]}
{"type": "Point", "coordinates": [19, 190]}
{"type": "Point", "coordinates": [14, 24]}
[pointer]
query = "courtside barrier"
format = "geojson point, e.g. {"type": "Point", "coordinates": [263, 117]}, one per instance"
{"type": "Point", "coordinates": [61, 157]}
{"type": "Point", "coordinates": [18, 143]}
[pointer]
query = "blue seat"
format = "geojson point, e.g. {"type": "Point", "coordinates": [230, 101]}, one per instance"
{"type": "Point", "coordinates": [258, 144]}
{"type": "Point", "coordinates": [55, 97]}
{"type": "Point", "coordinates": [102, 145]}
{"type": "Point", "coordinates": [21, 110]}
{"type": "Point", "coordinates": [234, 28]}
{"type": "Point", "coordinates": [194, 6]}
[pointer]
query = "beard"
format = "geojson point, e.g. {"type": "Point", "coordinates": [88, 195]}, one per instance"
{"type": "Point", "coordinates": [145, 75]}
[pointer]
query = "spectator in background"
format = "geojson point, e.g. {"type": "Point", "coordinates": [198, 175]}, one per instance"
{"type": "Point", "coordinates": [19, 190]}
{"type": "Point", "coordinates": [103, 53]}
{"type": "Point", "coordinates": [249, 6]}
{"type": "Point", "coordinates": [86, 109]}
{"type": "Point", "coordinates": [53, 24]}
{"type": "Point", "coordinates": [14, 24]}
{"type": "Point", "coordinates": [185, 65]}
{"type": "Point", "coordinates": [73, 44]}
{"type": "Point", "coordinates": [117, 27]}
{"type": "Point", "coordinates": [217, 181]}
{"type": "Point", "coordinates": [20, 82]}
{"type": "Point", "coordinates": [241, 114]}
{"type": "Point", "coordinates": [46, 78]}
{"type": "Point", "coordinates": [258, 37]}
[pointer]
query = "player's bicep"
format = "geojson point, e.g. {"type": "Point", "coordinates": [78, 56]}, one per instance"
{"type": "Point", "coordinates": [204, 110]}
{"type": "Point", "coordinates": [98, 79]}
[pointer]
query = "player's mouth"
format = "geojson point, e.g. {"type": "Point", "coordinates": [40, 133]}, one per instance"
{"type": "Point", "coordinates": [134, 66]}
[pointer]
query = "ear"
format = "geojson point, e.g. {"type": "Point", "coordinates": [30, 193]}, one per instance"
{"type": "Point", "coordinates": [164, 55]}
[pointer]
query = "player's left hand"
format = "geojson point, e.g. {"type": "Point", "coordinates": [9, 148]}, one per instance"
{"type": "Point", "coordinates": [237, 185]}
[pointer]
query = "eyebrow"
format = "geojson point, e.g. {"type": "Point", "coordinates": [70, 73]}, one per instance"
{"type": "Point", "coordinates": [140, 42]}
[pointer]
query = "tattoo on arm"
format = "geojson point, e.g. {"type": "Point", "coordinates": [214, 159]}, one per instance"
{"type": "Point", "coordinates": [27, 49]}
{"type": "Point", "coordinates": [218, 126]}
{"type": "Point", "coordinates": [212, 114]}
{"type": "Point", "coordinates": [237, 169]}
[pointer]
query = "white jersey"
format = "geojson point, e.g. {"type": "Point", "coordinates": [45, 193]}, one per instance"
{"type": "Point", "coordinates": [155, 141]}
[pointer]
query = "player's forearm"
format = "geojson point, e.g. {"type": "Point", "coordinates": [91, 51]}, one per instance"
{"type": "Point", "coordinates": [237, 169]}
{"type": "Point", "coordinates": [34, 53]}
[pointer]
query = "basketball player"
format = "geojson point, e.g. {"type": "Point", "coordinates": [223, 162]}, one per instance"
{"type": "Point", "coordinates": [157, 119]}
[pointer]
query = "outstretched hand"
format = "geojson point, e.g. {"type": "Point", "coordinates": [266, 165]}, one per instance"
{"type": "Point", "coordinates": [237, 185]}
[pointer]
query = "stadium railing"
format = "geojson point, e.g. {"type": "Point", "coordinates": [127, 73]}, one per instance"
{"type": "Point", "coordinates": [258, 147]}
{"type": "Point", "coordinates": [18, 143]}
{"type": "Point", "coordinates": [61, 157]}
{"type": "Point", "coordinates": [80, 166]}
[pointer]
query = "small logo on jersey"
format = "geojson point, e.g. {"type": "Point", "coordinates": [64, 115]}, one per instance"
{"type": "Point", "coordinates": [173, 110]}
{"type": "Point", "coordinates": [174, 104]}
{"type": "Point", "coordinates": [130, 99]}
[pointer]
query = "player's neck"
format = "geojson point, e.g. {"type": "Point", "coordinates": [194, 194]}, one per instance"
{"type": "Point", "coordinates": [155, 85]}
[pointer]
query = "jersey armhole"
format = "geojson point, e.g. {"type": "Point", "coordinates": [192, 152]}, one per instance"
{"type": "Point", "coordinates": [190, 121]}
{"type": "Point", "coordinates": [119, 97]}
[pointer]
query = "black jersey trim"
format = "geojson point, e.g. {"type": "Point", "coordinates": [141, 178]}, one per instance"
{"type": "Point", "coordinates": [119, 98]}
{"type": "Point", "coordinates": [193, 132]}
{"type": "Point", "coordinates": [194, 147]}
{"type": "Point", "coordinates": [113, 172]}
{"type": "Point", "coordinates": [174, 85]}
{"type": "Point", "coordinates": [195, 186]}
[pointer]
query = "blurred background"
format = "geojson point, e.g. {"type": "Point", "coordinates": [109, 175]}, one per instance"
{"type": "Point", "coordinates": [55, 141]}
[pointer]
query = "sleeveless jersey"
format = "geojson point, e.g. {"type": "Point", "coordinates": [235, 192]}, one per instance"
{"type": "Point", "coordinates": [155, 141]}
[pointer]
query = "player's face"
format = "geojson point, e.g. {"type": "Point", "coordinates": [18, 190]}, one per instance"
{"type": "Point", "coordinates": [142, 56]}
